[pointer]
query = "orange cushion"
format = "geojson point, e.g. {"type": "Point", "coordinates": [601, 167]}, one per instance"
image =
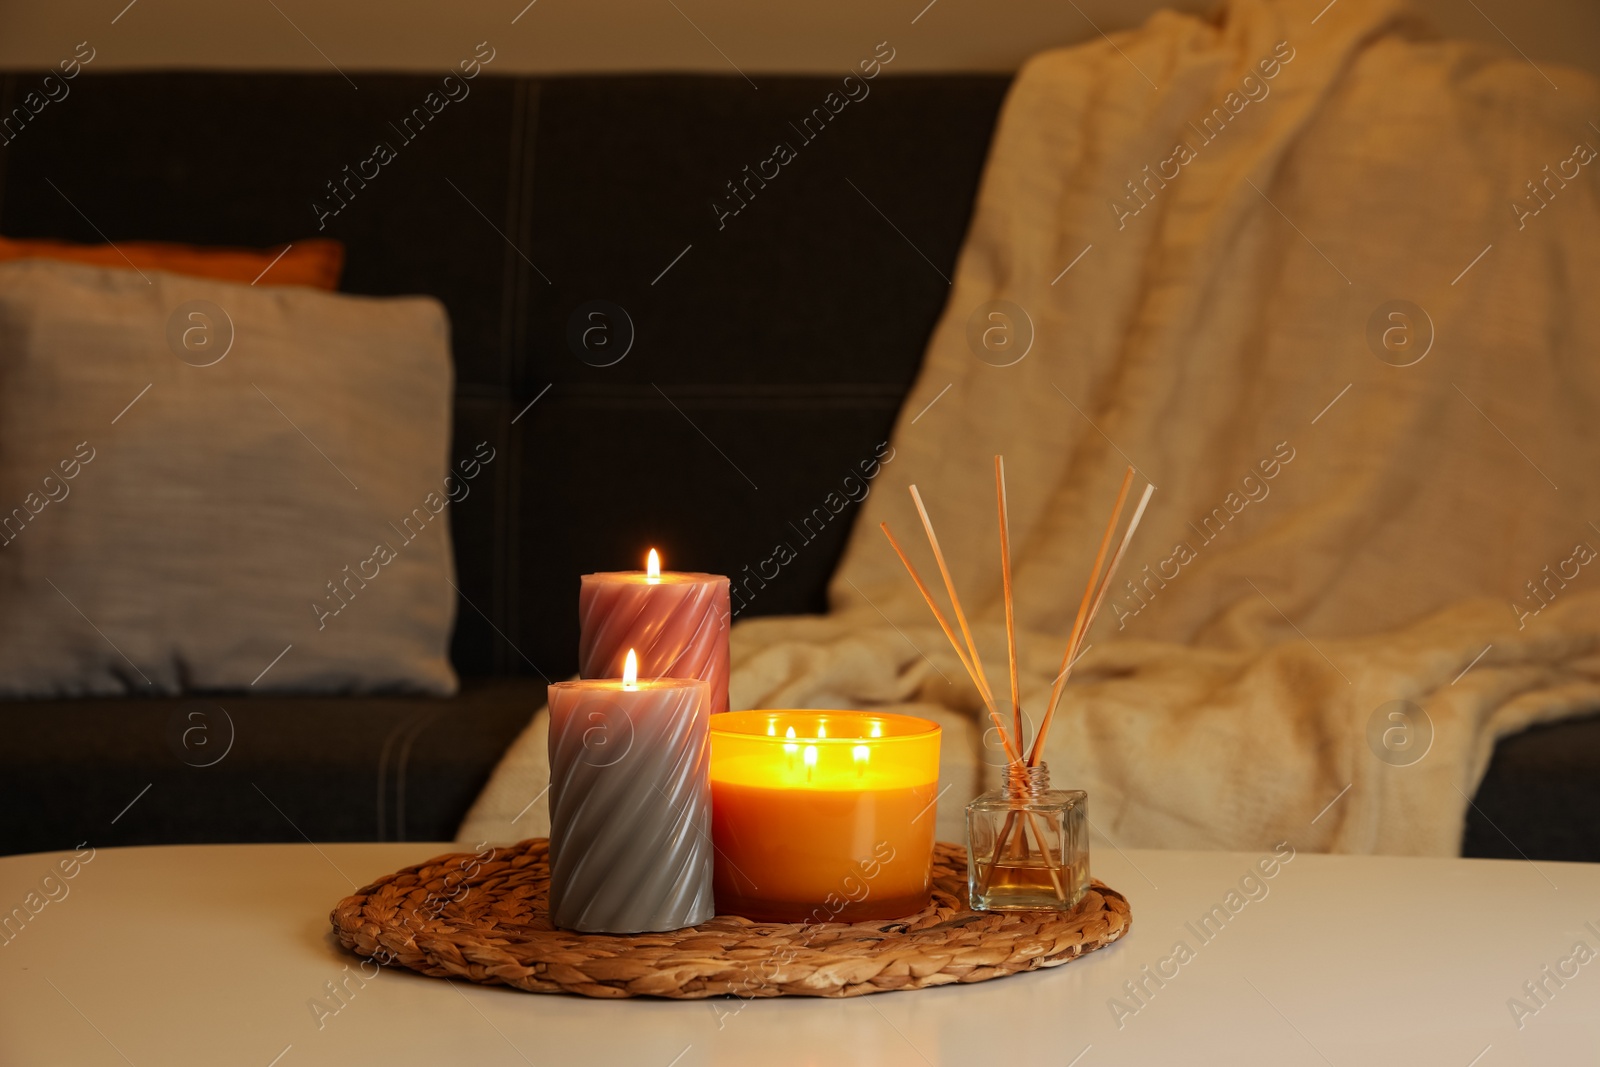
{"type": "Point", "coordinates": [316, 261]}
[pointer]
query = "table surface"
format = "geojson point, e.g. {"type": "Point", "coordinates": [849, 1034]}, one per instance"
{"type": "Point", "coordinates": [217, 954]}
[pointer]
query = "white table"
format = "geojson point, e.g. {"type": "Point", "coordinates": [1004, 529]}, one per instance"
{"type": "Point", "coordinates": [212, 955]}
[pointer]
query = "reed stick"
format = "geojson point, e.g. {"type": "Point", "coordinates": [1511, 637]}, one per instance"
{"type": "Point", "coordinates": [1116, 560]}
{"type": "Point", "coordinates": [955, 601]}
{"type": "Point", "coordinates": [1005, 582]}
{"type": "Point", "coordinates": [1078, 626]}
{"type": "Point", "coordinates": [1094, 610]}
{"type": "Point", "coordinates": [1013, 755]}
{"type": "Point", "coordinates": [1016, 696]}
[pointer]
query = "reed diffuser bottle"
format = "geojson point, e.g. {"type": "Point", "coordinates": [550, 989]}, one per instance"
{"type": "Point", "coordinates": [1027, 844]}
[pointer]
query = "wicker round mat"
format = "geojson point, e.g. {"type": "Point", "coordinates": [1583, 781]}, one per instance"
{"type": "Point", "coordinates": [483, 917]}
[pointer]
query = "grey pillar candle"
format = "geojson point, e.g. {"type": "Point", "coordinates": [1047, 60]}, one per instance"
{"type": "Point", "coordinates": [630, 805]}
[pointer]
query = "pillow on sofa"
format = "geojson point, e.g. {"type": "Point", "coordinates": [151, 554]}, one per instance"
{"type": "Point", "coordinates": [213, 486]}
{"type": "Point", "coordinates": [316, 261]}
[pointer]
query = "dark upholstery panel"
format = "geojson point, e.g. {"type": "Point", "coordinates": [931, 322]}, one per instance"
{"type": "Point", "coordinates": [806, 284]}
{"type": "Point", "coordinates": [482, 447]}
{"type": "Point", "coordinates": [239, 768]}
{"type": "Point", "coordinates": [1540, 798]}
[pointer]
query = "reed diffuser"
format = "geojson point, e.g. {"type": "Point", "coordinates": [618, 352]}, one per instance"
{"type": "Point", "coordinates": [1027, 843]}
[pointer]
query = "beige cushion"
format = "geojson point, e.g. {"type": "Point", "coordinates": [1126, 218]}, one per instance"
{"type": "Point", "coordinates": [167, 525]}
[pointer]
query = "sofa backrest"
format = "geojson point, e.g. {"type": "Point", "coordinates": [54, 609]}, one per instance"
{"type": "Point", "coordinates": [778, 301]}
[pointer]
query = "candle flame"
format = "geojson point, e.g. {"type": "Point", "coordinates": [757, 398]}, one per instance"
{"type": "Point", "coordinates": [877, 729]}
{"type": "Point", "coordinates": [822, 729]}
{"type": "Point", "coordinates": [861, 753]}
{"type": "Point", "coordinates": [790, 747]}
{"type": "Point", "coordinates": [630, 670]}
{"type": "Point", "coordinates": [789, 732]}
{"type": "Point", "coordinates": [652, 567]}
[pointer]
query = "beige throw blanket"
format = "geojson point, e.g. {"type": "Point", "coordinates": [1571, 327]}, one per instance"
{"type": "Point", "coordinates": [1358, 502]}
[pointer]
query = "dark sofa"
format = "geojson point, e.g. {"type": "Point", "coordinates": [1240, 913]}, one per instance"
{"type": "Point", "coordinates": [767, 350]}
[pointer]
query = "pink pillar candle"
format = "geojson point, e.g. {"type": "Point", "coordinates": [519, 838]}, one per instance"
{"type": "Point", "coordinates": [677, 622]}
{"type": "Point", "coordinates": [630, 805]}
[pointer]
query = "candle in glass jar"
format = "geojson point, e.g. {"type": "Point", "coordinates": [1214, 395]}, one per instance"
{"type": "Point", "coordinates": [630, 805]}
{"type": "Point", "coordinates": [823, 816]}
{"type": "Point", "coordinates": [677, 621]}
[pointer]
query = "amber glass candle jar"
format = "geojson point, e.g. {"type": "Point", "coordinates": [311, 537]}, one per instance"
{"type": "Point", "coordinates": [823, 816]}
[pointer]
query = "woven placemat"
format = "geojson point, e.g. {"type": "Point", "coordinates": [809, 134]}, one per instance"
{"type": "Point", "coordinates": [483, 917]}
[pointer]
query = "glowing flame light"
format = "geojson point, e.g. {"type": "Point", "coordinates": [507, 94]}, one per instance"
{"type": "Point", "coordinates": [652, 568]}
{"type": "Point", "coordinates": [790, 747]}
{"type": "Point", "coordinates": [877, 729]}
{"type": "Point", "coordinates": [811, 760]}
{"type": "Point", "coordinates": [630, 670]}
{"type": "Point", "coordinates": [861, 753]}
